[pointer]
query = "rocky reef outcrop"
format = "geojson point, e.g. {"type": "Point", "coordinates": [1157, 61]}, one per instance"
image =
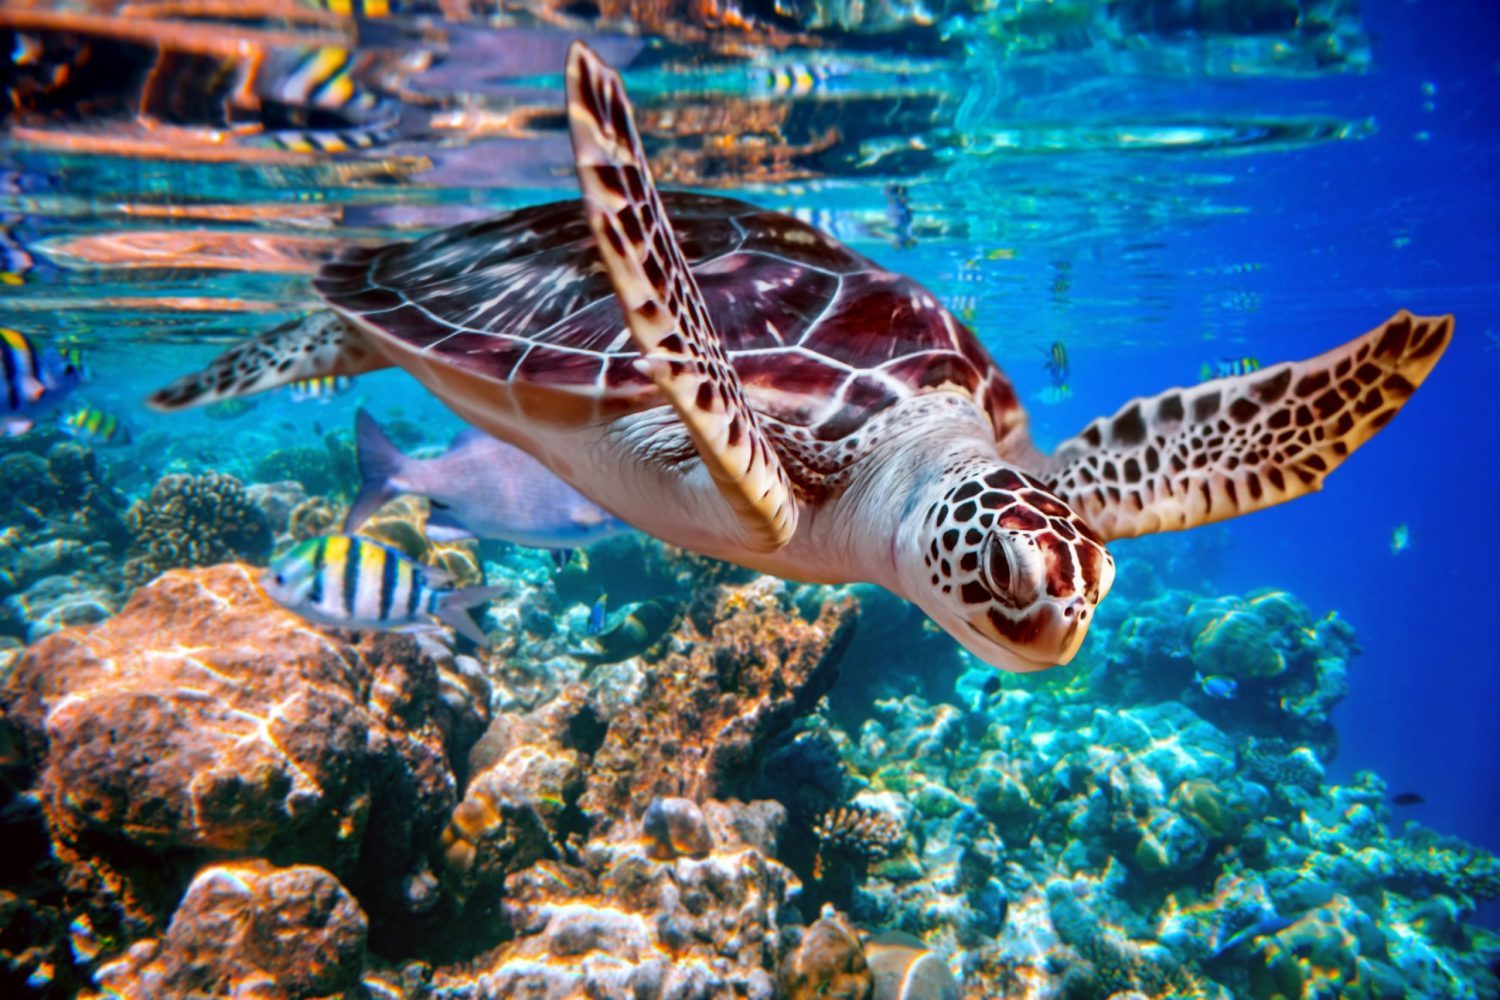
{"type": "Point", "coordinates": [204, 723]}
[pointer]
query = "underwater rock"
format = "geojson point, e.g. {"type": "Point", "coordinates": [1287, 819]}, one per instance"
{"type": "Point", "coordinates": [312, 518]}
{"type": "Point", "coordinates": [251, 929]}
{"type": "Point", "coordinates": [675, 828]}
{"type": "Point", "coordinates": [277, 501]}
{"type": "Point", "coordinates": [1259, 664]}
{"type": "Point", "coordinates": [526, 770]}
{"type": "Point", "coordinates": [906, 969]}
{"type": "Point", "coordinates": [1233, 643]}
{"type": "Point", "coordinates": [56, 602]}
{"type": "Point", "coordinates": [622, 923]}
{"type": "Point", "coordinates": [731, 683]}
{"type": "Point", "coordinates": [829, 962]}
{"type": "Point", "coordinates": [189, 521]}
{"type": "Point", "coordinates": [62, 494]}
{"type": "Point", "coordinates": [204, 721]}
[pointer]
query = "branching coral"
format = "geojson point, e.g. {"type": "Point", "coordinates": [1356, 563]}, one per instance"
{"type": "Point", "coordinates": [193, 521]}
{"type": "Point", "coordinates": [858, 833]}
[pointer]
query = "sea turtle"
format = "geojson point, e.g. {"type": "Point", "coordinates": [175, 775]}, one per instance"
{"type": "Point", "coordinates": [740, 384]}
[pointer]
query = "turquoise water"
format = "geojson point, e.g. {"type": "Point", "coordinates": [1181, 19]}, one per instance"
{"type": "Point", "coordinates": [1156, 186]}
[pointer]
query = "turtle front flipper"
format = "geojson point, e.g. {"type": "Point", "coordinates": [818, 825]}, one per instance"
{"type": "Point", "coordinates": [1235, 445]}
{"type": "Point", "coordinates": [664, 309]}
{"type": "Point", "coordinates": [311, 346]}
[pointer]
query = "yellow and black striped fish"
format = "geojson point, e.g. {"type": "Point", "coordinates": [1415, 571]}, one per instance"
{"type": "Point", "coordinates": [31, 381]}
{"type": "Point", "coordinates": [1057, 362]}
{"type": "Point", "coordinates": [1227, 367]}
{"type": "Point", "coordinates": [94, 426]}
{"type": "Point", "coordinates": [351, 582]}
{"type": "Point", "coordinates": [322, 388]}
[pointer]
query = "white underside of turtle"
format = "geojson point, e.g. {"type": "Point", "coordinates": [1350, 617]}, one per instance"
{"type": "Point", "coordinates": [737, 383]}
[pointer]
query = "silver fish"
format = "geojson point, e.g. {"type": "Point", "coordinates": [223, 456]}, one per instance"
{"type": "Point", "coordinates": [480, 487]}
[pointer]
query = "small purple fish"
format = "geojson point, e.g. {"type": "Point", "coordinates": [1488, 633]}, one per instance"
{"type": "Point", "coordinates": [479, 488]}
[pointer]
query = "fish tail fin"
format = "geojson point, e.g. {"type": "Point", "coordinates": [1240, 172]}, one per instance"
{"type": "Point", "coordinates": [453, 610]}
{"type": "Point", "coordinates": [380, 463]}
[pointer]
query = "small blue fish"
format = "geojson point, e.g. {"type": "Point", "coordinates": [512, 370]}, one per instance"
{"type": "Point", "coordinates": [322, 388]}
{"type": "Point", "coordinates": [1227, 368]}
{"type": "Point", "coordinates": [479, 488]}
{"type": "Point", "coordinates": [1261, 928]}
{"type": "Point", "coordinates": [1400, 539]}
{"type": "Point", "coordinates": [1215, 686]}
{"type": "Point", "coordinates": [94, 426]}
{"type": "Point", "coordinates": [596, 616]}
{"type": "Point", "coordinates": [32, 382]}
{"type": "Point", "coordinates": [1057, 363]}
{"type": "Point", "coordinates": [350, 582]}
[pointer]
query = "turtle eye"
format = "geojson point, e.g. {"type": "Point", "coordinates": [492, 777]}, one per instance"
{"type": "Point", "coordinates": [999, 570]}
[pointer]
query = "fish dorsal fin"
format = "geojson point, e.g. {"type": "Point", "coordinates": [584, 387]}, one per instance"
{"type": "Point", "coordinates": [1239, 444]}
{"type": "Point", "coordinates": [664, 309]}
{"type": "Point", "coordinates": [321, 343]}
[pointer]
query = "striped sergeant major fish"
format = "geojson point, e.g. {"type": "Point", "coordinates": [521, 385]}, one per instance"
{"type": "Point", "coordinates": [796, 79]}
{"type": "Point", "coordinates": [1057, 362]}
{"type": "Point", "coordinates": [355, 8]}
{"type": "Point", "coordinates": [94, 426]}
{"type": "Point", "coordinates": [323, 388]}
{"type": "Point", "coordinates": [32, 382]}
{"type": "Point", "coordinates": [349, 582]}
{"type": "Point", "coordinates": [1226, 367]}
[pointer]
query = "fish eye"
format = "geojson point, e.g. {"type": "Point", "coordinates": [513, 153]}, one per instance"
{"type": "Point", "coordinates": [281, 579]}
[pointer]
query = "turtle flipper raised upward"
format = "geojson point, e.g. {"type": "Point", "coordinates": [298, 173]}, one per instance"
{"type": "Point", "coordinates": [664, 309]}
{"type": "Point", "coordinates": [1235, 445]}
{"type": "Point", "coordinates": [311, 346]}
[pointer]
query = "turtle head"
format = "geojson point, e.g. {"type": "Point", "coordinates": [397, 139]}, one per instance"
{"type": "Point", "coordinates": [1007, 568]}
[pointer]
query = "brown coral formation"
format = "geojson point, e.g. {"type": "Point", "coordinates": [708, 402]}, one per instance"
{"type": "Point", "coordinates": [189, 521]}
{"type": "Point", "coordinates": [251, 929]}
{"type": "Point", "coordinates": [205, 722]}
{"type": "Point", "coordinates": [748, 666]}
{"type": "Point", "coordinates": [857, 832]}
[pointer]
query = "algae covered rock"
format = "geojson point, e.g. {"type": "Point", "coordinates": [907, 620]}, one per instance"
{"type": "Point", "coordinates": [252, 929]}
{"type": "Point", "coordinates": [204, 722]}
{"type": "Point", "coordinates": [740, 673]}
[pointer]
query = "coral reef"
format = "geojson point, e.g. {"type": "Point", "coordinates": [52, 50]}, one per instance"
{"type": "Point", "coordinates": [224, 800]}
{"type": "Point", "coordinates": [741, 669]}
{"type": "Point", "coordinates": [188, 521]}
{"type": "Point", "coordinates": [61, 534]}
{"type": "Point", "coordinates": [402, 525]}
{"type": "Point", "coordinates": [204, 722]}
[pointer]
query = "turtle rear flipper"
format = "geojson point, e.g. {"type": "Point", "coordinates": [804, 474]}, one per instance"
{"type": "Point", "coordinates": [1235, 445]}
{"type": "Point", "coordinates": [321, 343]}
{"type": "Point", "coordinates": [664, 309]}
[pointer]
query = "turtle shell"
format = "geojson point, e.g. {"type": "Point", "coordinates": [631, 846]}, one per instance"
{"type": "Point", "coordinates": [821, 337]}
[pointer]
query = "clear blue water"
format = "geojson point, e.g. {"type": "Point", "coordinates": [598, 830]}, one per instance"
{"type": "Point", "coordinates": [1155, 203]}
